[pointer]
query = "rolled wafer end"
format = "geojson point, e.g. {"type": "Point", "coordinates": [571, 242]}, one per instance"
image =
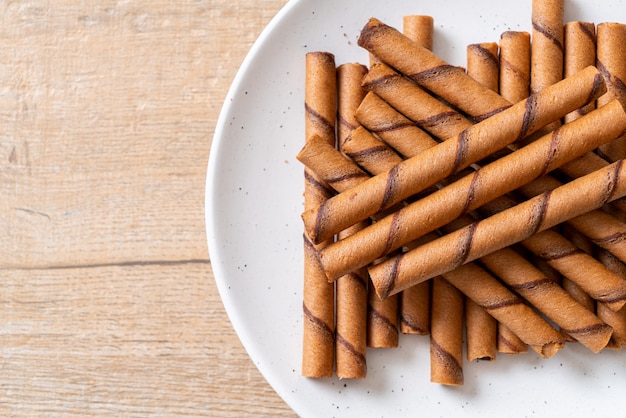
{"type": "Point", "coordinates": [419, 28]}
{"type": "Point", "coordinates": [385, 277]}
{"type": "Point", "coordinates": [549, 349]}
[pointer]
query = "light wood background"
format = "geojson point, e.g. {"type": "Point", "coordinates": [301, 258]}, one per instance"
{"type": "Point", "coordinates": [107, 301]}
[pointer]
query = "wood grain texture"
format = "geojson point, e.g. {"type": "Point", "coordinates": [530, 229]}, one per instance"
{"type": "Point", "coordinates": [108, 305]}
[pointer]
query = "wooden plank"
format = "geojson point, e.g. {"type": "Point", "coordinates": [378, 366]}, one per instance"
{"type": "Point", "coordinates": [108, 306]}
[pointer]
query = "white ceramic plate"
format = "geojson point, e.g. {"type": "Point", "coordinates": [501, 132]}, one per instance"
{"type": "Point", "coordinates": [253, 206]}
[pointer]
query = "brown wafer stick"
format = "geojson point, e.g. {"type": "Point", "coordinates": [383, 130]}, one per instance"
{"type": "Point", "coordinates": [352, 289]}
{"type": "Point", "coordinates": [351, 322]}
{"type": "Point", "coordinates": [549, 298]}
{"type": "Point", "coordinates": [611, 61]}
{"type": "Point", "coordinates": [451, 156]}
{"type": "Point", "coordinates": [415, 309]}
{"type": "Point", "coordinates": [547, 49]}
{"type": "Point", "coordinates": [481, 331]}
{"type": "Point", "coordinates": [500, 230]}
{"type": "Point", "coordinates": [480, 327]}
{"type": "Point", "coordinates": [446, 338]}
{"type": "Point", "coordinates": [430, 71]}
{"type": "Point", "coordinates": [514, 65]}
{"type": "Point", "coordinates": [318, 295]}
{"type": "Point", "coordinates": [483, 64]}
{"type": "Point", "coordinates": [565, 257]}
{"type": "Point", "coordinates": [330, 165]}
{"type": "Point", "coordinates": [474, 190]}
{"type": "Point", "coordinates": [579, 52]}
{"type": "Point", "coordinates": [508, 342]}
{"type": "Point", "coordinates": [514, 86]}
{"type": "Point", "coordinates": [382, 321]}
{"type": "Point", "coordinates": [320, 96]}
{"type": "Point", "coordinates": [420, 29]}
{"type": "Point", "coordinates": [432, 114]}
{"type": "Point", "coordinates": [398, 131]}
{"type": "Point", "coordinates": [547, 43]}
{"type": "Point", "coordinates": [349, 97]}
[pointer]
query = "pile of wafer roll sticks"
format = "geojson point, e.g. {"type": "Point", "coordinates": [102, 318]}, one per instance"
{"type": "Point", "coordinates": [482, 206]}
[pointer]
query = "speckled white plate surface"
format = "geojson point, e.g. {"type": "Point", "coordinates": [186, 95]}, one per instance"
{"type": "Point", "coordinates": [253, 206]}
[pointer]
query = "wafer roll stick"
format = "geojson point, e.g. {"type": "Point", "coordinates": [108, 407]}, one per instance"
{"type": "Point", "coordinates": [430, 71]}
{"type": "Point", "coordinates": [351, 321]}
{"type": "Point", "coordinates": [330, 165]}
{"type": "Point", "coordinates": [351, 289]}
{"type": "Point", "coordinates": [514, 65]}
{"type": "Point", "coordinates": [580, 52]}
{"type": "Point", "coordinates": [483, 64]}
{"type": "Point", "coordinates": [474, 190]}
{"type": "Point", "coordinates": [565, 257]}
{"type": "Point", "coordinates": [320, 96]}
{"type": "Point", "coordinates": [415, 306]}
{"type": "Point", "coordinates": [382, 321]}
{"type": "Point", "coordinates": [485, 290]}
{"type": "Point", "coordinates": [451, 156]}
{"type": "Point", "coordinates": [481, 330]}
{"type": "Point", "coordinates": [351, 332]}
{"type": "Point", "coordinates": [432, 114]}
{"type": "Point", "coordinates": [508, 342]}
{"type": "Point", "coordinates": [480, 327]}
{"type": "Point", "coordinates": [349, 97]}
{"type": "Point", "coordinates": [547, 43]}
{"type": "Point", "coordinates": [420, 29]}
{"type": "Point", "coordinates": [549, 298]}
{"type": "Point", "coordinates": [318, 295]}
{"type": "Point", "coordinates": [611, 61]}
{"type": "Point", "coordinates": [547, 47]}
{"type": "Point", "coordinates": [399, 132]}
{"type": "Point", "coordinates": [500, 230]}
{"type": "Point", "coordinates": [446, 338]}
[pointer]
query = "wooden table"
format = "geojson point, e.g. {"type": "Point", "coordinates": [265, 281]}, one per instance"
{"type": "Point", "coordinates": [108, 306]}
